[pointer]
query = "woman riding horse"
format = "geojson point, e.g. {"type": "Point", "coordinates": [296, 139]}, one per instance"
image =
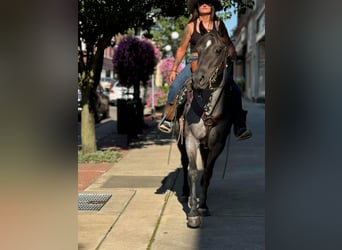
{"type": "Point", "coordinates": [203, 20]}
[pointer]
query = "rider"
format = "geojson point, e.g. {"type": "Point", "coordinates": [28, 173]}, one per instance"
{"type": "Point", "coordinates": [203, 20]}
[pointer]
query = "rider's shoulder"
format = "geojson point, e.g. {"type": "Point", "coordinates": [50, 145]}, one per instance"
{"type": "Point", "coordinates": [190, 27]}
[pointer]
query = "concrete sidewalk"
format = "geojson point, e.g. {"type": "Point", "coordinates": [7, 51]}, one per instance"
{"type": "Point", "coordinates": [144, 211]}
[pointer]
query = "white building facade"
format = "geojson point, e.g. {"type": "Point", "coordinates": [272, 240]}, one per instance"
{"type": "Point", "coordinates": [249, 40]}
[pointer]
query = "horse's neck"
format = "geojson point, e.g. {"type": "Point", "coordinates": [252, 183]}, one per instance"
{"type": "Point", "coordinates": [213, 107]}
{"type": "Point", "coordinates": [209, 101]}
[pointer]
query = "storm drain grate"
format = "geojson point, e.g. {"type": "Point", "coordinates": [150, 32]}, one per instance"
{"type": "Point", "coordinates": [92, 202]}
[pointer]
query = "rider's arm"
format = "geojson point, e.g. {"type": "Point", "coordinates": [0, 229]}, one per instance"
{"type": "Point", "coordinates": [183, 46]}
{"type": "Point", "coordinates": [181, 51]}
{"type": "Point", "coordinates": [224, 33]}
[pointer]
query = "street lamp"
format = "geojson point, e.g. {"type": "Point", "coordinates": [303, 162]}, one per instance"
{"type": "Point", "coordinates": [174, 37]}
{"type": "Point", "coordinates": [167, 48]}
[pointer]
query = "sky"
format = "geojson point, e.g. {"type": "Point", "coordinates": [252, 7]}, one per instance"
{"type": "Point", "coordinates": [231, 23]}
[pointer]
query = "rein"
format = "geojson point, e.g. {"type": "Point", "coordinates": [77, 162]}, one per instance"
{"type": "Point", "coordinates": [209, 120]}
{"type": "Point", "coordinates": [213, 77]}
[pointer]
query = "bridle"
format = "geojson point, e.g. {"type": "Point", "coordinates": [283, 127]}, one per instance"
{"type": "Point", "coordinates": [214, 74]}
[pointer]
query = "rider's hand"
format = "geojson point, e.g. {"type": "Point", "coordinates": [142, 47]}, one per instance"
{"type": "Point", "coordinates": [232, 53]}
{"type": "Point", "coordinates": [172, 76]}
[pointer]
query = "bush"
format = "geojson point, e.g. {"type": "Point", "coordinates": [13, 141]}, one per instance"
{"type": "Point", "coordinates": [165, 67]}
{"type": "Point", "coordinates": [160, 98]}
{"type": "Point", "coordinates": [108, 156]}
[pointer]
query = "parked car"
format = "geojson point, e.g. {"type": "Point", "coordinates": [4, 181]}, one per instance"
{"type": "Point", "coordinates": [119, 91]}
{"type": "Point", "coordinates": [107, 83]}
{"type": "Point", "coordinates": [102, 104]}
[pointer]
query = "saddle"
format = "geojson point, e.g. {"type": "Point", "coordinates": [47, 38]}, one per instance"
{"type": "Point", "coordinates": [194, 65]}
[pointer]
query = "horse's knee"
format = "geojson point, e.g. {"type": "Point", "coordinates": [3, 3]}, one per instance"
{"type": "Point", "coordinates": [193, 173]}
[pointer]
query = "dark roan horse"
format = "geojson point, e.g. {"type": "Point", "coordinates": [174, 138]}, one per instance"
{"type": "Point", "coordinates": [205, 122]}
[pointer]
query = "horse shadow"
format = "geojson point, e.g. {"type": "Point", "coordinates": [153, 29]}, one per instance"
{"type": "Point", "coordinates": [174, 182]}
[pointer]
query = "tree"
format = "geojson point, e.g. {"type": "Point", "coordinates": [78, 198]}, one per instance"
{"type": "Point", "coordinates": [99, 22]}
{"type": "Point", "coordinates": [135, 55]}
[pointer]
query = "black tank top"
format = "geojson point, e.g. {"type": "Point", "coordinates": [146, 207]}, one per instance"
{"type": "Point", "coordinates": [195, 36]}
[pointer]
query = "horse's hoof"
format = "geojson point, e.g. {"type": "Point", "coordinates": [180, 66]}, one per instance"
{"type": "Point", "coordinates": [204, 212]}
{"type": "Point", "coordinates": [194, 222]}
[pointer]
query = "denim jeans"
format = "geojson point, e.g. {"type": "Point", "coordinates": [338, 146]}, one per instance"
{"type": "Point", "coordinates": [180, 79]}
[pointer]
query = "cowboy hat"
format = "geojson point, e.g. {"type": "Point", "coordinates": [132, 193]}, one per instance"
{"type": "Point", "coordinates": [192, 5]}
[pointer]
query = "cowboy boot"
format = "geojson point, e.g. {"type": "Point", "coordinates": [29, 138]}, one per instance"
{"type": "Point", "coordinates": [240, 130]}
{"type": "Point", "coordinates": [166, 122]}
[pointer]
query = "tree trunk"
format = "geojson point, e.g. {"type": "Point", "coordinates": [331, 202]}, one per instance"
{"type": "Point", "coordinates": [88, 131]}
{"type": "Point", "coordinates": [90, 83]}
{"type": "Point", "coordinates": [136, 93]}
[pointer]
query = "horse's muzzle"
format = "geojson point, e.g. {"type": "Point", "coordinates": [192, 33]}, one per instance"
{"type": "Point", "coordinates": [199, 80]}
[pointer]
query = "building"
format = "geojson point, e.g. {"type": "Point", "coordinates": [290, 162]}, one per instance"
{"type": "Point", "coordinates": [249, 40]}
{"type": "Point", "coordinates": [107, 67]}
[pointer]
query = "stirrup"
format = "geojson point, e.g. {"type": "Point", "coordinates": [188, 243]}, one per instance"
{"type": "Point", "coordinates": [165, 126]}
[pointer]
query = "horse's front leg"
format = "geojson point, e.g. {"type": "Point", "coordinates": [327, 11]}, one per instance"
{"type": "Point", "coordinates": [185, 164]}
{"type": "Point", "coordinates": [194, 218]}
{"type": "Point", "coordinates": [209, 158]}
{"type": "Point", "coordinates": [207, 173]}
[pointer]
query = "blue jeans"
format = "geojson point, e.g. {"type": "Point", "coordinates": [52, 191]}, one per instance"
{"type": "Point", "coordinates": [179, 81]}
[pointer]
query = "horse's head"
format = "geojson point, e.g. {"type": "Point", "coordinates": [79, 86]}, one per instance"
{"type": "Point", "coordinates": [212, 53]}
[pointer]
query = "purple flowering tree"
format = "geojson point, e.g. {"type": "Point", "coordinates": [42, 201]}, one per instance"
{"type": "Point", "coordinates": [134, 61]}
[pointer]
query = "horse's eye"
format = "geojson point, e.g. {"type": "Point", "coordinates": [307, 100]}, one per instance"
{"type": "Point", "coordinates": [218, 50]}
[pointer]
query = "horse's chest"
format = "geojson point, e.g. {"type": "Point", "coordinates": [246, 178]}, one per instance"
{"type": "Point", "coordinates": [195, 125]}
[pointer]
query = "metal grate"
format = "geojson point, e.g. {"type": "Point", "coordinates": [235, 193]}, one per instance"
{"type": "Point", "coordinates": [93, 202]}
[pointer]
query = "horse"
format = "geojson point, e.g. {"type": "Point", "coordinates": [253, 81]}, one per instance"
{"type": "Point", "coordinates": [204, 121]}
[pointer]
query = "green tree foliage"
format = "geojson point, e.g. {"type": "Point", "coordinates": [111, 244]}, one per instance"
{"type": "Point", "coordinates": [163, 28]}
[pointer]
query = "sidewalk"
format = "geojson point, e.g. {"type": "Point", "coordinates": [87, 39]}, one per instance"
{"type": "Point", "coordinates": [144, 211]}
